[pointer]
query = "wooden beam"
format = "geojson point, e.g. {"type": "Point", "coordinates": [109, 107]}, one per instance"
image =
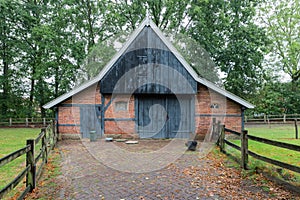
{"type": "Point", "coordinates": [274, 143]}
{"type": "Point", "coordinates": [275, 162]}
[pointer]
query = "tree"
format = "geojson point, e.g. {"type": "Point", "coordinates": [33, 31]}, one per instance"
{"type": "Point", "coordinates": [96, 60]}
{"type": "Point", "coordinates": [282, 20]}
{"type": "Point", "coordinates": [9, 51]}
{"type": "Point", "coordinates": [197, 57]}
{"type": "Point", "coordinates": [226, 30]}
{"type": "Point", "coordinates": [166, 14]}
{"type": "Point", "coordinates": [91, 21]}
{"type": "Point", "coordinates": [276, 97]}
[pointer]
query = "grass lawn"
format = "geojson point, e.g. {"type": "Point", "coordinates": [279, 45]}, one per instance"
{"type": "Point", "coordinates": [12, 139]}
{"type": "Point", "coordinates": [283, 133]}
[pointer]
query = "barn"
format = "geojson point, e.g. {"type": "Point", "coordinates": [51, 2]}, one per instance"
{"type": "Point", "coordinates": [147, 90]}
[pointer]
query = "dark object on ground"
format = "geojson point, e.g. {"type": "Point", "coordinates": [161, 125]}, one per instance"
{"type": "Point", "coordinates": [191, 145]}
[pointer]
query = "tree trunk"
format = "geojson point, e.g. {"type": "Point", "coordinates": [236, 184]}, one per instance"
{"type": "Point", "coordinates": [4, 56]}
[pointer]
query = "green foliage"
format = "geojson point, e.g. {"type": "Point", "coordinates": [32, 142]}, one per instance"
{"type": "Point", "coordinates": [44, 45]}
{"type": "Point", "coordinates": [8, 52]}
{"type": "Point", "coordinates": [99, 56]}
{"type": "Point", "coordinates": [198, 58]}
{"type": "Point", "coordinates": [166, 14]}
{"type": "Point", "coordinates": [282, 21]}
{"type": "Point", "coordinates": [226, 30]}
{"type": "Point", "coordinates": [277, 98]}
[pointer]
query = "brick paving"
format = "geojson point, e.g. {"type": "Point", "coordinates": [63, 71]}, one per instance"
{"type": "Point", "coordinates": [88, 178]}
{"type": "Point", "coordinates": [85, 176]}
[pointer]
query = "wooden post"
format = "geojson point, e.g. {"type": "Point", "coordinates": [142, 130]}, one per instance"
{"type": "Point", "coordinates": [44, 146]}
{"type": "Point", "coordinates": [296, 128]}
{"type": "Point", "coordinates": [44, 121]}
{"type": "Point", "coordinates": [213, 133]}
{"type": "Point", "coordinates": [31, 175]}
{"type": "Point", "coordinates": [284, 118]}
{"type": "Point", "coordinates": [54, 132]}
{"type": "Point", "coordinates": [265, 118]}
{"type": "Point", "coordinates": [219, 134]}
{"type": "Point", "coordinates": [244, 149]}
{"type": "Point", "coordinates": [218, 128]}
{"type": "Point", "coordinates": [26, 122]}
{"type": "Point", "coordinates": [222, 138]}
{"type": "Point", "coordinates": [10, 121]}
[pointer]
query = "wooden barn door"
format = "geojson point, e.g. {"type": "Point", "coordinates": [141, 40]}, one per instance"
{"type": "Point", "coordinates": [163, 116]}
{"type": "Point", "coordinates": [89, 120]}
{"type": "Point", "coordinates": [181, 114]}
{"type": "Point", "coordinates": [151, 117]}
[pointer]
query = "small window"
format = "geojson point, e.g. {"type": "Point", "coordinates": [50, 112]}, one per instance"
{"type": "Point", "coordinates": [214, 105]}
{"type": "Point", "coordinates": [121, 106]}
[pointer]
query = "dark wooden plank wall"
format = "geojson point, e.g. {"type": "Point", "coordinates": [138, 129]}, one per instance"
{"type": "Point", "coordinates": [90, 120]}
{"type": "Point", "coordinates": [165, 116]}
{"type": "Point", "coordinates": [150, 65]}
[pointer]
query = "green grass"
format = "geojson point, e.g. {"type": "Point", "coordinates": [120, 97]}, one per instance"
{"type": "Point", "coordinates": [275, 132]}
{"type": "Point", "coordinates": [283, 133]}
{"type": "Point", "coordinates": [12, 139]}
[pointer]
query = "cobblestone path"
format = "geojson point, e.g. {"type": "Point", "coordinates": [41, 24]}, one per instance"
{"type": "Point", "coordinates": [85, 176]}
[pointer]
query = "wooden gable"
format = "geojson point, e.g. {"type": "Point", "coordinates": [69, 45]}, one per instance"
{"type": "Point", "coordinates": [148, 67]}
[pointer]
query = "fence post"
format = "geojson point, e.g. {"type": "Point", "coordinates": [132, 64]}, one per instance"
{"type": "Point", "coordinates": [44, 146]}
{"type": "Point", "coordinates": [213, 133]}
{"type": "Point", "coordinates": [54, 132]}
{"type": "Point", "coordinates": [44, 121]}
{"type": "Point", "coordinates": [219, 134]}
{"type": "Point", "coordinates": [265, 118]}
{"type": "Point", "coordinates": [296, 128]}
{"type": "Point", "coordinates": [218, 128]}
{"type": "Point", "coordinates": [222, 138]}
{"type": "Point", "coordinates": [10, 121]}
{"type": "Point", "coordinates": [244, 149]}
{"type": "Point", "coordinates": [284, 118]}
{"type": "Point", "coordinates": [214, 125]}
{"type": "Point", "coordinates": [26, 122]}
{"type": "Point", "coordinates": [30, 161]}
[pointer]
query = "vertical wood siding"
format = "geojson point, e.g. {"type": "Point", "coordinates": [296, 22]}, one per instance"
{"type": "Point", "coordinates": [150, 65]}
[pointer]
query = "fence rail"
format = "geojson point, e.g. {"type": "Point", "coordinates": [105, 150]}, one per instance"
{"type": "Point", "coordinates": [34, 164]}
{"type": "Point", "coordinates": [24, 122]}
{"type": "Point", "coordinates": [245, 152]}
{"type": "Point", "coordinates": [267, 119]}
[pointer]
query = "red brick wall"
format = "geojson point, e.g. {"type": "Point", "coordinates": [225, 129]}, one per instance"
{"type": "Point", "coordinates": [69, 117]}
{"type": "Point", "coordinates": [119, 126]}
{"type": "Point", "coordinates": [228, 112]}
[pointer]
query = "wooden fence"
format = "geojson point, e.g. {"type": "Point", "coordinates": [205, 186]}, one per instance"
{"type": "Point", "coordinates": [268, 119]}
{"type": "Point", "coordinates": [245, 152]}
{"type": "Point", "coordinates": [37, 151]}
{"type": "Point", "coordinates": [24, 122]}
